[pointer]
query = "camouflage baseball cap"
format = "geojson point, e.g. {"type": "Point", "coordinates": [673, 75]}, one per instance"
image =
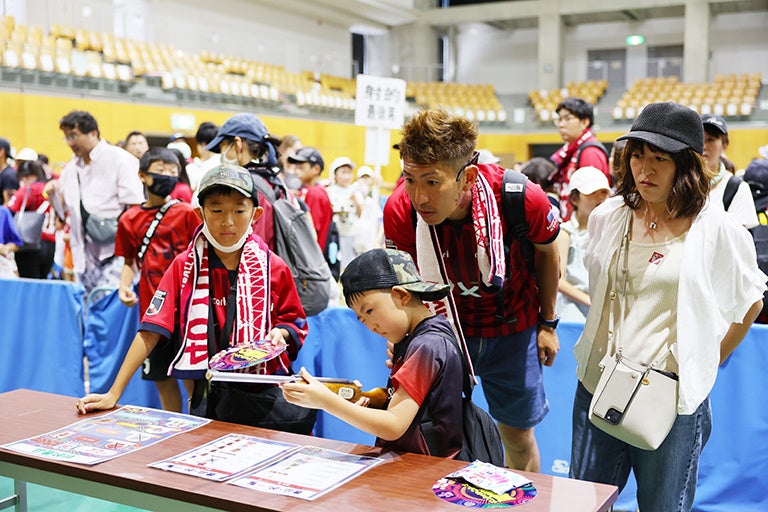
{"type": "Point", "coordinates": [384, 268]}
{"type": "Point", "coordinates": [232, 176]}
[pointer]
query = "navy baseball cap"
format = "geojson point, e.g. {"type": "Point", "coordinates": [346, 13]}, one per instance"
{"type": "Point", "coordinates": [245, 126]}
{"type": "Point", "coordinates": [716, 122]}
{"type": "Point", "coordinates": [756, 175]}
{"type": "Point", "coordinates": [307, 154]}
{"type": "Point", "coordinates": [6, 145]}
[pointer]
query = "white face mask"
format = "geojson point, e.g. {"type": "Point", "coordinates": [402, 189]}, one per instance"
{"type": "Point", "coordinates": [225, 160]}
{"type": "Point", "coordinates": [226, 248]}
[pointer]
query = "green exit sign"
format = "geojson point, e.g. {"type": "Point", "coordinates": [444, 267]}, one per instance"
{"type": "Point", "coordinates": [635, 40]}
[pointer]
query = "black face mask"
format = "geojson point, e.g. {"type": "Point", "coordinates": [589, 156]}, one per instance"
{"type": "Point", "coordinates": [162, 185]}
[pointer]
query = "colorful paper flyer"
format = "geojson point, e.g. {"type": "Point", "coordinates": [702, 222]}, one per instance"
{"type": "Point", "coordinates": [307, 473]}
{"type": "Point", "coordinates": [225, 457]}
{"type": "Point", "coordinates": [100, 438]}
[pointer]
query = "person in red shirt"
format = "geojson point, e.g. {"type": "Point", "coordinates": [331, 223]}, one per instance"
{"type": "Point", "coordinates": [447, 214]}
{"type": "Point", "coordinates": [150, 246]}
{"type": "Point", "coordinates": [34, 261]}
{"type": "Point", "coordinates": [581, 148]}
{"type": "Point", "coordinates": [307, 164]}
{"type": "Point", "coordinates": [226, 289]}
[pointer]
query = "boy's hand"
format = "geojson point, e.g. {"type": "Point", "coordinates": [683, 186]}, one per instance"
{"type": "Point", "coordinates": [278, 337]}
{"type": "Point", "coordinates": [390, 354]}
{"type": "Point", "coordinates": [310, 393]}
{"type": "Point", "coordinates": [95, 402]}
{"type": "Point", "coordinates": [127, 296]}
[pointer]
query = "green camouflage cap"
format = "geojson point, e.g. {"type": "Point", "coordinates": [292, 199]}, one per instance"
{"type": "Point", "coordinates": [228, 175]}
{"type": "Point", "coordinates": [384, 268]}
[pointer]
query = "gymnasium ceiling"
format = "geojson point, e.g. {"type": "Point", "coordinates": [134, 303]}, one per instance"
{"type": "Point", "coordinates": [378, 15]}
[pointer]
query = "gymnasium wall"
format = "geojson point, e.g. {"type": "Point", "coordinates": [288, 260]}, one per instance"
{"type": "Point", "coordinates": [33, 120]}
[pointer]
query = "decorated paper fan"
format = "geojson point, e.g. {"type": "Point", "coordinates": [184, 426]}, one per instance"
{"type": "Point", "coordinates": [461, 493]}
{"type": "Point", "coordinates": [245, 355]}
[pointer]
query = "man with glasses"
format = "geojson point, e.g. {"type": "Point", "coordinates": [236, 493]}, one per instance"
{"type": "Point", "coordinates": [447, 214]}
{"type": "Point", "coordinates": [101, 181]}
{"type": "Point", "coordinates": [581, 148]}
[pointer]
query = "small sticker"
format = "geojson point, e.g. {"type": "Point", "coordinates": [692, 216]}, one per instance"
{"type": "Point", "coordinates": [158, 299]}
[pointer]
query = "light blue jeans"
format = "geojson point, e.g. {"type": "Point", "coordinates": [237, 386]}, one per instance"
{"type": "Point", "coordinates": [666, 477]}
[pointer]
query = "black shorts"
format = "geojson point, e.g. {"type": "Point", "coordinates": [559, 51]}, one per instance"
{"type": "Point", "coordinates": [155, 366]}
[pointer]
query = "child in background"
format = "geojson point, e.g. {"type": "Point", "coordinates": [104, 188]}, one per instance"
{"type": "Point", "coordinates": [347, 206]}
{"type": "Point", "coordinates": [369, 232]}
{"type": "Point", "coordinates": [589, 188]}
{"type": "Point", "coordinates": [226, 289]}
{"type": "Point", "coordinates": [384, 288]}
{"type": "Point", "coordinates": [149, 237]}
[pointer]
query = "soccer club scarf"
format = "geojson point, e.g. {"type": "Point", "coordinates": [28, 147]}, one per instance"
{"type": "Point", "coordinates": [252, 320]}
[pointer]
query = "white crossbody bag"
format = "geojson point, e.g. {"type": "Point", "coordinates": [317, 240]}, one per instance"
{"type": "Point", "coordinates": [633, 402]}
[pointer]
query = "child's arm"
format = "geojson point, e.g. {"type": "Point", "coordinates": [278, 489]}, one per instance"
{"type": "Point", "coordinates": [142, 345]}
{"type": "Point", "coordinates": [125, 292]}
{"type": "Point", "coordinates": [389, 424]}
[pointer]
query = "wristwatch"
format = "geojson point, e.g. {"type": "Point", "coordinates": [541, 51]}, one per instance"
{"type": "Point", "coordinates": [552, 324]}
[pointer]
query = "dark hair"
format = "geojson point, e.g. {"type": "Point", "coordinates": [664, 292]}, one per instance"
{"type": "Point", "coordinates": [618, 148]}
{"type": "Point", "coordinates": [435, 136]}
{"type": "Point", "coordinates": [690, 186]}
{"type": "Point", "coordinates": [31, 168]}
{"type": "Point", "coordinates": [577, 107]}
{"type": "Point", "coordinates": [134, 133]}
{"type": "Point", "coordinates": [224, 190]}
{"type": "Point", "coordinates": [80, 120]}
{"type": "Point", "coordinates": [42, 158]}
{"type": "Point", "coordinates": [715, 132]}
{"type": "Point", "coordinates": [538, 169]}
{"type": "Point", "coordinates": [256, 149]}
{"type": "Point", "coordinates": [206, 132]}
{"type": "Point", "coordinates": [729, 166]}
{"type": "Point", "coordinates": [158, 154]}
{"type": "Point", "coordinates": [183, 176]}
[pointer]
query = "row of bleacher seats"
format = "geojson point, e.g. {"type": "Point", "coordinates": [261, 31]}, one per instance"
{"type": "Point", "coordinates": [100, 55]}
{"type": "Point", "coordinates": [475, 101]}
{"type": "Point", "coordinates": [727, 95]}
{"type": "Point", "coordinates": [545, 101]}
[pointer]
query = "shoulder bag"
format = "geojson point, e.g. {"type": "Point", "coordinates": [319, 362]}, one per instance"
{"type": "Point", "coordinates": [30, 223]}
{"type": "Point", "coordinates": [102, 230]}
{"type": "Point", "coordinates": [633, 402]}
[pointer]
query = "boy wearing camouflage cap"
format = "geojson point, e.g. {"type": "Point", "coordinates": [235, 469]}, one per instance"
{"type": "Point", "coordinates": [384, 289]}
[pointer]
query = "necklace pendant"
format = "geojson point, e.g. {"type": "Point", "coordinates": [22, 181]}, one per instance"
{"type": "Point", "coordinates": [652, 225]}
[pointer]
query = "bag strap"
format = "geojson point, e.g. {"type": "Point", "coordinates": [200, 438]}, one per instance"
{"type": "Point", "coordinates": [730, 191]}
{"type": "Point", "coordinates": [152, 228]}
{"type": "Point", "coordinates": [612, 295]}
{"type": "Point", "coordinates": [591, 144]}
{"type": "Point", "coordinates": [20, 213]}
{"type": "Point", "coordinates": [468, 380]}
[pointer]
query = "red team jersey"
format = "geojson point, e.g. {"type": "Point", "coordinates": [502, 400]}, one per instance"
{"type": "Point", "coordinates": [320, 207]}
{"type": "Point", "coordinates": [286, 311]}
{"type": "Point", "coordinates": [477, 308]}
{"type": "Point", "coordinates": [171, 238]}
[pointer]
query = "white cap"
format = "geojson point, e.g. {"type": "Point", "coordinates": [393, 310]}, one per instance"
{"type": "Point", "coordinates": [588, 180]}
{"type": "Point", "coordinates": [364, 170]}
{"type": "Point", "coordinates": [27, 154]}
{"type": "Point", "coordinates": [486, 157]}
{"type": "Point", "coordinates": [341, 162]}
{"type": "Point", "coordinates": [182, 146]}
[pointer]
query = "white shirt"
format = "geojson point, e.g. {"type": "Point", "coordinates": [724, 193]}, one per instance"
{"type": "Point", "coordinates": [110, 183]}
{"type": "Point", "coordinates": [742, 207]}
{"type": "Point", "coordinates": [719, 282]}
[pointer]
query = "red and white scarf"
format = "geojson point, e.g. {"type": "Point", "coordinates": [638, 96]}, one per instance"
{"type": "Point", "coordinates": [252, 318]}
{"type": "Point", "coordinates": [565, 158]}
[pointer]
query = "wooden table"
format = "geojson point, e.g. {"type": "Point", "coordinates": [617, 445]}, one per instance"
{"type": "Point", "coordinates": [403, 483]}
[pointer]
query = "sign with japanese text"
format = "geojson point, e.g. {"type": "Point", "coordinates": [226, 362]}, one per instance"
{"type": "Point", "coordinates": [380, 102]}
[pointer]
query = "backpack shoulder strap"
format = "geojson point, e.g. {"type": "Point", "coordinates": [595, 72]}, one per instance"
{"type": "Point", "coordinates": [590, 144]}
{"type": "Point", "coordinates": [730, 190]}
{"type": "Point", "coordinates": [264, 187]}
{"type": "Point", "coordinates": [513, 208]}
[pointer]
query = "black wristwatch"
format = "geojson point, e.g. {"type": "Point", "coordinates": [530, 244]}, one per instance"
{"type": "Point", "coordinates": [552, 324]}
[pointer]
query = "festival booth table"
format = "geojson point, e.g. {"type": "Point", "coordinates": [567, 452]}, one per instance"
{"type": "Point", "coordinates": [403, 482]}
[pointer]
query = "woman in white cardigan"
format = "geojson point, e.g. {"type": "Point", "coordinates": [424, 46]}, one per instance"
{"type": "Point", "coordinates": [691, 292]}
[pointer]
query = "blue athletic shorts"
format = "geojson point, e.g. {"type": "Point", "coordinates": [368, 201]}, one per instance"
{"type": "Point", "coordinates": [512, 377]}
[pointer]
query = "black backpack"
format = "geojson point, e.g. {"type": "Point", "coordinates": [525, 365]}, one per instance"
{"type": "Point", "coordinates": [592, 144]}
{"type": "Point", "coordinates": [296, 243]}
{"type": "Point", "coordinates": [481, 439]}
